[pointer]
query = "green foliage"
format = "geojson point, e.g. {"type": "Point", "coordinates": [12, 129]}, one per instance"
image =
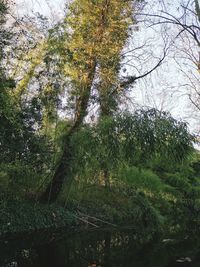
{"type": "Point", "coordinates": [19, 179]}
{"type": "Point", "coordinates": [119, 205]}
{"type": "Point", "coordinates": [18, 217]}
{"type": "Point", "coordinates": [147, 156]}
{"type": "Point", "coordinates": [24, 153]}
{"type": "Point", "coordinates": [140, 179]}
{"type": "Point", "coordinates": [156, 134]}
{"type": "Point", "coordinates": [3, 7]}
{"type": "Point", "coordinates": [137, 138]}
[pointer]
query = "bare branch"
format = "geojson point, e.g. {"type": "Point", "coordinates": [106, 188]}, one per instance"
{"type": "Point", "coordinates": [131, 79]}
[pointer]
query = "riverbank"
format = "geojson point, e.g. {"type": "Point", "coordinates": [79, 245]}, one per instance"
{"type": "Point", "coordinates": [19, 218]}
{"type": "Point", "coordinates": [23, 217]}
{"type": "Point", "coordinates": [149, 204]}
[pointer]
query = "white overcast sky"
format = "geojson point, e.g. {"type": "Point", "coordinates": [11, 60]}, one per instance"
{"type": "Point", "coordinates": [164, 89]}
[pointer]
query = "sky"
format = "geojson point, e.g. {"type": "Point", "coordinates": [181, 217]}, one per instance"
{"type": "Point", "coordinates": [51, 8]}
{"type": "Point", "coordinates": [165, 89]}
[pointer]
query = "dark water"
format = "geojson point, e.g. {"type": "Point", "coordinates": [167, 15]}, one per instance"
{"type": "Point", "coordinates": [102, 248]}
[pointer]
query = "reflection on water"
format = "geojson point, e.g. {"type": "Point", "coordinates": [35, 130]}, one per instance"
{"type": "Point", "coordinates": [93, 249]}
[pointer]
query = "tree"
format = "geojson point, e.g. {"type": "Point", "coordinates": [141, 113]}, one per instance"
{"type": "Point", "coordinates": [92, 27]}
{"type": "Point", "coordinates": [6, 115]}
{"type": "Point", "coordinates": [144, 138]}
{"type": "Point", "coordinates": [21, 148]}
{"type": "Point", "coordinates": [81, 57]}
{"type": "Point", "coordinates": [95, 34]}
{"type": "Point", "coordinates": [181, 25]}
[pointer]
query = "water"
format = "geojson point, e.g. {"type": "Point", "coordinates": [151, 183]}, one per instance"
{"type": "Point", "coordinates": [98, 248]}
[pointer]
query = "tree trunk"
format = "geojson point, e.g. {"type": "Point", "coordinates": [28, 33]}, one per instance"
{"type": "Point", "coordinates": [92, 49]}
{"type": "Point", "coordinates": [63, 170]}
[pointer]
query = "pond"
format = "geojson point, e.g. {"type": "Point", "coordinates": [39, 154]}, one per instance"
{"type": "Point", "coordinates": [98, 248]}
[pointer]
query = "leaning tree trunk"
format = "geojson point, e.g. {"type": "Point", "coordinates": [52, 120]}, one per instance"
{"type": "Point", "coordinates": [63, 170]}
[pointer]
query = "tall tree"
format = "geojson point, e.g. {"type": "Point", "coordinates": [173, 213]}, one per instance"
{"type": "Point", "coordinates": [97, 33]}
{"type": "Point", "coordinates": [6, 116]}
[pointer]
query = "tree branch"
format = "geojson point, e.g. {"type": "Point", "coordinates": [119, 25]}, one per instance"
{"type": "Point", "coordinates": [131, 79]}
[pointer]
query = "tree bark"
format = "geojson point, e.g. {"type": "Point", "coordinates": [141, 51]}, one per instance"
{"type": "Point", "coordinates": [63, 170]}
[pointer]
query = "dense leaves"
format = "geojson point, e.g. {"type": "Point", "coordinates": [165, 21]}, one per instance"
{"type": "Point", "coordinates": [122, 166]}
{"type": "Point", "coordinates": [136, 138]}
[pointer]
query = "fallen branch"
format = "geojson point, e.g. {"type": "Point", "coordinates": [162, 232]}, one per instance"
{"type": "Point", "coordinates": [97, 219]}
